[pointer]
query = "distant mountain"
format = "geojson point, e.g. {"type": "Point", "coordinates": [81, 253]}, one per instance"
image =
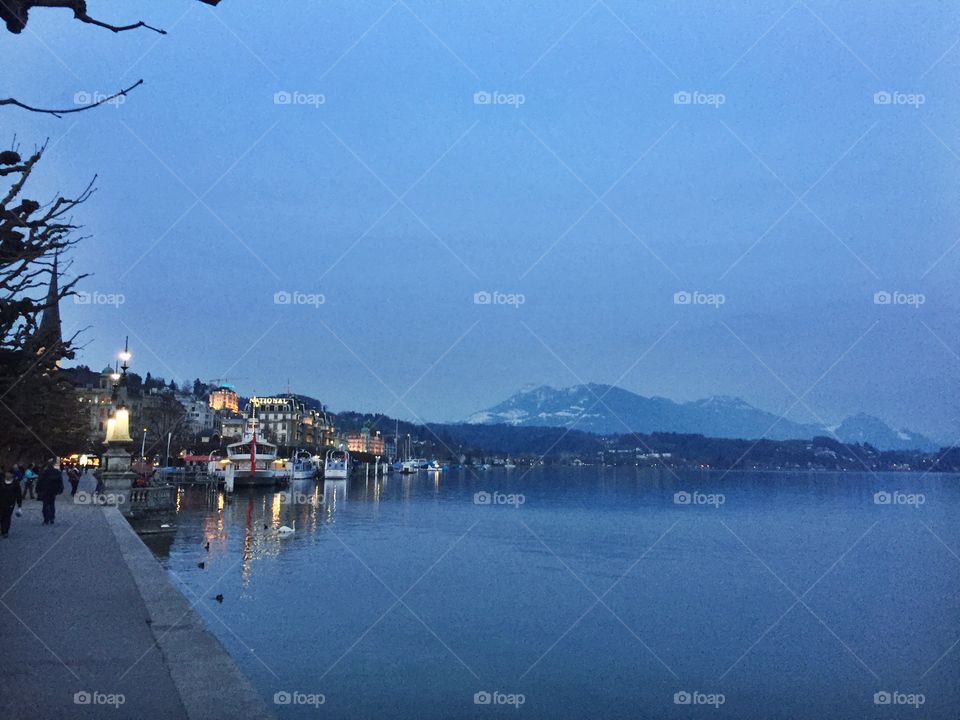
{"type": "Point", "coordinates": [863, 428]}
{"type": "Point", "coordinates": [580, 407]}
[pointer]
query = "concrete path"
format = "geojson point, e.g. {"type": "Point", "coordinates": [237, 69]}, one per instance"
{"type": "Point", "coordinates": [90, 627]}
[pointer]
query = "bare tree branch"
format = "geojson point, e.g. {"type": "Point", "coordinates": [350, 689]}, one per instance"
{"type": "Point", "coordinates": [15, 14]}
{"type": "Point", "coordinates": [58, 113]}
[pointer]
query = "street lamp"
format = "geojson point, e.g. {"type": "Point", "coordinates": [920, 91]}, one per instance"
{"type": "Point", "coordinates": [115, 475]}
{"type": "Point", "coordinates": [143, 442]}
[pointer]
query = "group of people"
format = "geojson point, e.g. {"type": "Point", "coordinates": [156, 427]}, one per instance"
{"type": "Point", "coordinates": [43, 484]}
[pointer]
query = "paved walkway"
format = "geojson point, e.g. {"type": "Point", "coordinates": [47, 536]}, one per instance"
{"type": "Point", "coordinates": [90, 627]}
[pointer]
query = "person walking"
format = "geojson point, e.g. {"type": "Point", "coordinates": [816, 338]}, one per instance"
{"type": "Point", "coordinates": [73, 475]}
{"type": "Point", "coordinates": [29, 477]}
{"type": "Point", "coordinates": [17, 471]}
{"type": "Point", "coordinates": [49, 486]}
{"type": "Point", "coordinates": [10, 496]}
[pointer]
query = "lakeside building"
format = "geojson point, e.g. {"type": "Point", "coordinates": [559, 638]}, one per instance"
{"type": "Point", "coordinates": [288, 422]}
{"type": "Point", "coordinates": [365, 441]}
{"type": "Point", "coordinates": [95, 394]}
{"type": "Point", "coordinates": [99, 399]}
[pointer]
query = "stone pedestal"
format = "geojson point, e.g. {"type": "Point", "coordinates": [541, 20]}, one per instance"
{"type": "Point", "coordinates": [116, 478]}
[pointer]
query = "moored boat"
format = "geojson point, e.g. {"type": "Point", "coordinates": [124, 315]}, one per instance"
{"type": "Point", "coordinates": [254, 459]}
{"type": "Point", "coordinates": [337, 465]}
{"type": "Point", "coordinates": [301, 466]}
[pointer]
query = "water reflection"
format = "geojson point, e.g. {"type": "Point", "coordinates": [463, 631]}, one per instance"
{"type": "Point", "coordinates": [334, 496]}
{"type": "Point", "coordinates": [498, 584]}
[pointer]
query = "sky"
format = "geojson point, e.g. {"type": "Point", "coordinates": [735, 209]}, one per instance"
{"type": "Point", "coordinates": [421, 207]}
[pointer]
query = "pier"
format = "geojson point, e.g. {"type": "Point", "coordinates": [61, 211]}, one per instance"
{"type": "Point", "coordinates": [91, 627]}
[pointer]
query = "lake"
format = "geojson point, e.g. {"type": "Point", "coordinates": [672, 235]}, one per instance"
{"type": "Point", "coordinates": [586, 592]}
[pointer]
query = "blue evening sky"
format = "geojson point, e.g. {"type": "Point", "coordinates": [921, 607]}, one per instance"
{"type": "Point", "coordinates": [583, 187]}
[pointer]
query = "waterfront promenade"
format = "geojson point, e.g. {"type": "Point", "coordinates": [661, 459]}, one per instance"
{"type": "Point", "coordinates": [90, 627]}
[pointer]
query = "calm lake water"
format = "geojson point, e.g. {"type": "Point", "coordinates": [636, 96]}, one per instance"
{"type": "Point", "coordinates": [587, 593]}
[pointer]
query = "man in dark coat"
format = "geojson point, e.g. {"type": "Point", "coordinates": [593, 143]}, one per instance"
{"type": "Point", "coordinates": [10, 496]}
{"type": "Point", "coordinates": [49, 486]}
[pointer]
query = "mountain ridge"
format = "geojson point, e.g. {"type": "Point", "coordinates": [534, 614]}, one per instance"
{"type": "Point", "coordinates": [609, 409]}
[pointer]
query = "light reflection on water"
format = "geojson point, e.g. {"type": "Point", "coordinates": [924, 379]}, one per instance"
{"type": "Point", "coordinates": [599, 596]}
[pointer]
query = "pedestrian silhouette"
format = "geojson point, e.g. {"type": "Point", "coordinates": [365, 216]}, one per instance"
{"type": "Point", "coordinates": [10, 496]}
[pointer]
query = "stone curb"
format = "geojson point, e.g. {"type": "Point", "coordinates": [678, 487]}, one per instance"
{"type": "Point", "coordinates": [208, 681]}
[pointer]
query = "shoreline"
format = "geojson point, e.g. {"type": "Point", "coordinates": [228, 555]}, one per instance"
{"type": "Point", "coordinates": [193, 656]}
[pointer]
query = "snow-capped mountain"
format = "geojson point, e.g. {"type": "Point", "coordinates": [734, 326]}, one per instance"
{"type": "Point", "coordinates": [868, 429]}
{"type": "Point", "coordinates": [606, 409]}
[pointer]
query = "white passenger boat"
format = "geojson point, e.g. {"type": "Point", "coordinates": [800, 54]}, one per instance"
{"type": "Point", "coordinates": [253, 459]}
{"type": "Point", "coordinates": [337, 465]}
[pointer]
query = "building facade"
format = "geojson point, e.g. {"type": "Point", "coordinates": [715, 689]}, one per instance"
{"type": "Point", "coordinates": [366, 441]}
{"type": "Point", "coordinates": [199, 415]}
{"type": "Point", "coordinates": [224, 398]}
{"type": "Point", "coordinates": [287, 421]}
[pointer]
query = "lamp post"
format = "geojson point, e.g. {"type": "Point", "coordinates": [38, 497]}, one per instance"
{"type": "Point", "coordinates": [143, 443]}
{"type": "Point", "coordinates": [116, 479]}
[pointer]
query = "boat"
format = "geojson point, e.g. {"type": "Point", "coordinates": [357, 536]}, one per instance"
{"type": "Point", "coordinates": [254, 459]}
{"type": "Point", "coordinates": [509, 464]}
{"type": "Point", "coordinates": [337, 465]}
{"type": "Point", "coordinates": [408, 467]}
{"type": "Point", "coordinates": [301, 466]}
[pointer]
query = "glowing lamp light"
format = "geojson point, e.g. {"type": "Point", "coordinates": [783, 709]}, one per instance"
{"type": "Point", "coordinates": [125, 356]}
{"type": "Point", "coordinates": [118, 427]}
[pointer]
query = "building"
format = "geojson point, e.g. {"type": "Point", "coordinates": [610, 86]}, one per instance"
{"type": "Point", "coordinates": [230, 428]}
{"type": "Point", "coordinates": [48, 336]}
{"type": "Point", "coordinates": [224, 398]}
{"type": "Point", "coordinates": [366, 442]}
{"type": "Point", "coordinates": [287, 421]}
{"type": "Point", "coordinates": [95, 394]}
{"type": "Point", "coordinates": [199, 415]}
